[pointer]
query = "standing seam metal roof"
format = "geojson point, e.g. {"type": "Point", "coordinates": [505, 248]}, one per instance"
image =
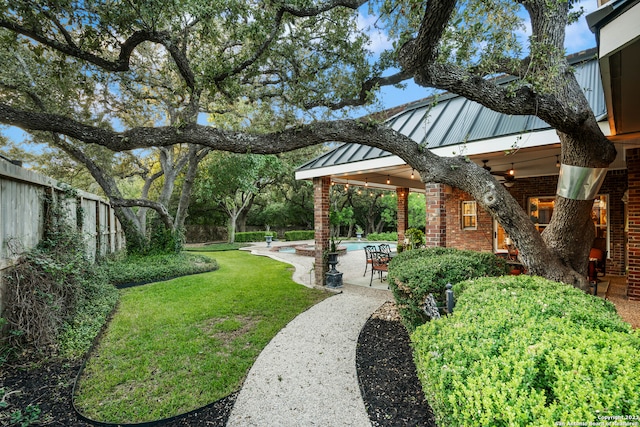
{"type": "Point", "coordinates": [449, 119]}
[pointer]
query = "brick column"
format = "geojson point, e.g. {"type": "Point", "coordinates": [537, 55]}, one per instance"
{"type": "Point", "coordinates": [321, 186]}
{"type": "Point", "coordinates": [436, 229]}
{"type": "Point", "coordinates": [403, 212]}
{"type": "Point", "coordinates": [633, 205]}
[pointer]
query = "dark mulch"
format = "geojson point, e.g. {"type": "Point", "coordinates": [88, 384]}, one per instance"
{"type": "Point", "coordinates": [386, 373]}
{"type": "Point", "coordinates": [388, 381]}
{"type": "Point", "coordinates": [49, 388]}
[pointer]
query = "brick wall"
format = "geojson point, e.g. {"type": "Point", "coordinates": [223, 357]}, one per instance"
{"type": "Point", "coordinates": [614, 186]}
{"type": "Point", "coordinates": [403, 212]}
{"type": "Point", "coordinates": [476, 240]}
{"type": "Point", "coordinates": [321, 186]}
{"type": "Point", "coordinates": [436, 228]}
{"type": "Point", "coordinates": [633, 276]}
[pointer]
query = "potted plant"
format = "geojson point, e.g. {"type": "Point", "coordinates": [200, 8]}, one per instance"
{"type": "Point", "coordinates": [359, 232]}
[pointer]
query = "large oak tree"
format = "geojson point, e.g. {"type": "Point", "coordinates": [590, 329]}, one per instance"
{"type": "Point", "coordinates": [293, 61]}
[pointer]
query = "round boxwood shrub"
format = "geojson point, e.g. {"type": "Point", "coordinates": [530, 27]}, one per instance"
{"type": "Point", "coordinates": [524, 351]}
{"type": "Point", "coordinates": [416, 273]}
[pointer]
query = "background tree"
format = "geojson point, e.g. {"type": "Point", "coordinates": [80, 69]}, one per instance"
{"type": "Point", "coordinates": [233, 182]}
{"type": "Point", "coordinates": [289, 202]}
{"type": "Point", "coordinates": [300, 60]}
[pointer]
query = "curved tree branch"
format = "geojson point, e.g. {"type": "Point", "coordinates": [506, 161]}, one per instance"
{"type": "Point", "coordinates": [158, 207]}
{"type": "Point", "coordinates": [367, 87]}
{"type": "Point", "coordinates": [126, 49]}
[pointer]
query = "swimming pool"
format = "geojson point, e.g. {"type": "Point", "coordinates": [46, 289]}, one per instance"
{"type": "Point", "coordinates": [350, 246]}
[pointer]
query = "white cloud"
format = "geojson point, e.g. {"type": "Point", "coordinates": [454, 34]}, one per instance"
{"type": "Point", "coordinates": [379, 39]}
{"type": "Point", "coordinates": [578, 36]}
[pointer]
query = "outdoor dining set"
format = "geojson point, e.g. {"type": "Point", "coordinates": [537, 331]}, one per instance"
{"type": "Point", "coordinates": [378, 258]}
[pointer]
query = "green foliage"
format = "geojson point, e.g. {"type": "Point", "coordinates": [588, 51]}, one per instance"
{"type": "Point", "coordinates": [164, 241]}
{"type": "Point", "coordinates": [251, 236]}
{"type": "Point", "coordinates": [152, 268]}
{"type": "Point", "coordinates": [54, 289]}
{"type": "Point", "coordinates": [161, 240]}
{"type": "Point", "coordinates": [98, 300]}
{"type": "Point", "coordinates": [217, 247]}
{"type": "Point", "coordinates": [417, 210]}
{"type": "Point", "coordinates": [416, 238]}
{"type": "Point", "coordinates": [18, 417]}
{"type": "Point", "coordinates": [524, 351]}
{"type": "Point", "coordinates": [299, 235]}
{"type": "Point", "coordinates": [231, 182]}
{"type": "Point", "coordinates": [415, 274]}
{"type": "Point", "coordinates": [382, 237]}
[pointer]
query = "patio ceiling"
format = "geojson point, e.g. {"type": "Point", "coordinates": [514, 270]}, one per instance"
{"type": "Point", "coordinates": [618, 33]}
{"type": "Point", "coordinates": [527, 162]}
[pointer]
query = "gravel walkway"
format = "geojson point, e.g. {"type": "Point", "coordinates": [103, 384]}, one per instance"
{"type": "Point", "coordinates": [307, 373]}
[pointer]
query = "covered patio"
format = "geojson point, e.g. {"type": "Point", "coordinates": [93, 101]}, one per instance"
{"type": "Point", "coordinates": [456, 126]}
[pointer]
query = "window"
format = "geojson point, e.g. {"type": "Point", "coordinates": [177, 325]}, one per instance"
{"type": "Point", "coordinates": [469, 215]}
{"type": "Point", "coordinates": [541, 209]}
{"type": "Point", "coordinates": [600, 215]}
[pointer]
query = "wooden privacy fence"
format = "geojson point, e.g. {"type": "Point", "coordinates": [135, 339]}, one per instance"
{"type": "Point", "coordinates": [22, 215]}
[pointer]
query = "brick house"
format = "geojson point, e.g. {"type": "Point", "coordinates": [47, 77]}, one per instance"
{"type": "Point", "coordinates": [457, 126]}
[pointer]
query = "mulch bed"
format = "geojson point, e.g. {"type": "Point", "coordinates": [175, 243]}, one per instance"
{"type": "Point", "coordinates": [388, 381]}
{"type": "Point", "coordinates": [386, 372]}
{"type": "Point", "coordinates": [49, 388]}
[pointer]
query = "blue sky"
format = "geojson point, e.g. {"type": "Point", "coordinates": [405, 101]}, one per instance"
{"type": "Point", "coordinates": [578, 38]}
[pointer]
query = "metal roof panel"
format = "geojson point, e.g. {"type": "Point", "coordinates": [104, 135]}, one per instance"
{"type": "Point", "coordinates": [448, 119]}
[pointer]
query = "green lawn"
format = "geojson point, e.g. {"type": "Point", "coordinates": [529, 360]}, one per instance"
{"type": "Point", "coordinates": [177, 345]}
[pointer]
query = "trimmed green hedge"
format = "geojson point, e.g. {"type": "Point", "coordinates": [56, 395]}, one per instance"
{"type": "Point", "coordinates": [299, 235]}
{"type": "Point", "coordinates": [524, 351]}
{"type": "Point", "coordinates": [252, 236]}
{"type": "Point", "coordinates": [382, 237]}
{"type": "Point", "coordinates": [416, 273]}
{"type": "Point", "coordinates": [136, 269]}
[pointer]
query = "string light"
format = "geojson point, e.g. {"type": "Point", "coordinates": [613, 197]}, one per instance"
{"type": "Point", "coordinates": [557, 161]}
{"type": "Point", "coordinates": [412, 175]}
{"type": "Point", "coordinates": [511, 171]}
{"type": "Point", "coordinates": [366, 182]}
{"type": "Point", "coordinates": [388, 180]}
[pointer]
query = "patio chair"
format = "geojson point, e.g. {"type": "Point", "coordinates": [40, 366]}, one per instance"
{"type": "Point", "coordinates": [379, 263]}
{"type": "Point", "coordinates": [367, 251]}
{"type": "Point", "coordinates": [385, 249]}
{"type": "Point", "coordinates": [598, 262]}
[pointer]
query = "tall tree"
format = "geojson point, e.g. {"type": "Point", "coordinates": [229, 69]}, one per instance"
{"type": "Point", "coordinates": [301, 59]}
{"type": "Point", "coordinates": [233, 182]}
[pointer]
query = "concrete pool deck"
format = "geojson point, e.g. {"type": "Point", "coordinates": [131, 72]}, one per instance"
{"type": "Point", "coordinates": [350, 264]}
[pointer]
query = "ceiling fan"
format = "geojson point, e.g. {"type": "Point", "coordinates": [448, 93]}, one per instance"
{"type": "Point", "coordinates": [509, 175]}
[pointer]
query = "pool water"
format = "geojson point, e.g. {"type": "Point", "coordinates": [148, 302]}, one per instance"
{"type": "Point", "coordinates": [354, 246]}
{"type": "Point", "coordinates": [351, 246]}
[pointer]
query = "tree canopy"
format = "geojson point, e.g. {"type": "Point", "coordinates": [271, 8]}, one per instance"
{"type": "Point", "coordinates": [72, 67]}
